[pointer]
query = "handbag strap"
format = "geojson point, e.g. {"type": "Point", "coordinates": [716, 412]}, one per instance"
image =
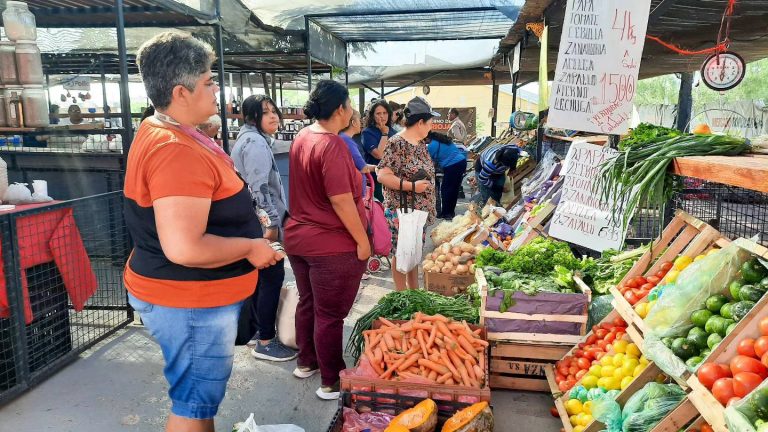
{"type": "Point", "coordinates": [404, 196]}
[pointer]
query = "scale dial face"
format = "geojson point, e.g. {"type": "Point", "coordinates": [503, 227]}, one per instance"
{"type": "Point", "coordinates": [723, 71]}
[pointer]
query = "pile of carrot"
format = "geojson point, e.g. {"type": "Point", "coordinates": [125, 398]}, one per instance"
{"type": "Point", "coordinates": [430, 347]}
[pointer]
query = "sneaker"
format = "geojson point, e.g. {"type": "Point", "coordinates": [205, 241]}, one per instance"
{"type": "Point", "coordinates": [273, 351]}
{"type": "Point", "coordinates": [329, 392]}
{"type": "Point", "coordinates": [304, 372]}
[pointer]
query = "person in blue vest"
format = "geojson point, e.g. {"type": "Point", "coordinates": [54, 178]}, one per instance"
{"type": "Point", "coordinates": [453, 162]}
{"type": "Point", "coordinates": [490, 168]}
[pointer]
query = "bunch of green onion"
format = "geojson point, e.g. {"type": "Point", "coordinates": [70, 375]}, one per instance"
{"type": "Point", "coordinates": [639, 175]}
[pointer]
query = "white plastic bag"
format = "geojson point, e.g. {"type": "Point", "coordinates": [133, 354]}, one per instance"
{"type": "Point", "coordinates": [410, 240]}
{"type": "Point", "coordinates": [249, 425]}
{"type": "Point", "coordinates": [18, 193]}
{"type": "Point", "coordinates": [286, 315]}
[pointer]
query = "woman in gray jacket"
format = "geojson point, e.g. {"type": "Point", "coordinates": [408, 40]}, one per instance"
{"type": "Point", "coordinates": [254, 160]}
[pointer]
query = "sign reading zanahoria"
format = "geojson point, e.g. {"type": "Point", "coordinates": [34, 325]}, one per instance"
{"type": "Point", "coordinates": [598, 65]}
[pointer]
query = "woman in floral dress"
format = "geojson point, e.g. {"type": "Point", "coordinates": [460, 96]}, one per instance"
{"type": "Point", "coordinates": [406, 168]}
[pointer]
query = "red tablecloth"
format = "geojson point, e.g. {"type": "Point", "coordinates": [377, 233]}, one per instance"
{"type": "Point", "coordinates": [45, 237]}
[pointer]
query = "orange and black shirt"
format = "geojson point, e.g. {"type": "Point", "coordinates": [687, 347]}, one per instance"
{"type": "Point", "coordinates": [163, 162]}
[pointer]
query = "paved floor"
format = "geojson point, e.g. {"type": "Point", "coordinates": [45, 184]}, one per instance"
{"type": "Point", "coordinates": [118, 386]}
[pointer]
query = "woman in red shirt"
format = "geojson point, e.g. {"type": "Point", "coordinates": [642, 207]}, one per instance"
{"type": "Point", "coordinates": [325, 236]}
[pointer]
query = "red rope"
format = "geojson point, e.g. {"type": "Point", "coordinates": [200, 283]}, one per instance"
{"type": "Point", "coordinates": [722, 44]}
{"type": "Point", "coordinates": [721, 47]}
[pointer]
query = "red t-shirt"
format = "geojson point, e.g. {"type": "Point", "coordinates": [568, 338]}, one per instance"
{"type": "Point", "coordinates": [320, 166]}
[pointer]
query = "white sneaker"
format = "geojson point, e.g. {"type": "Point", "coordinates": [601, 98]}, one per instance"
{"type": "Point", "coordinates": [328, 392]}
{"type": "Point", "coordinates": [303, 372]}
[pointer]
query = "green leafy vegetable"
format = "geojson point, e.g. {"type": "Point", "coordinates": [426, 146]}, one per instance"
{"type": "Point", "coordinates": [605, 272]}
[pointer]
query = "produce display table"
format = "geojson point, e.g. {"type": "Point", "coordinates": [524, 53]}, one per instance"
{"type": "Point", "coordinates": [748, 171]}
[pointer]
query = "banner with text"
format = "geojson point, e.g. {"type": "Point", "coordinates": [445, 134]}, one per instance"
{"type": "Point", "coordinates": [467, 116]}
{"type": "Point", "coordinates": [598, 64]}
{"type": "Point", "coordinates": [581, 216]}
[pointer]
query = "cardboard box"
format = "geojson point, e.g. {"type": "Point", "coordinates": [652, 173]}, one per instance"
{"type": "Point", "coordinates": [444, 284]}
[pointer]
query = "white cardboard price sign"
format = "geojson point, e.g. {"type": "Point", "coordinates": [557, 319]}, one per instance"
{"type": "Point", "coordinates": [581, 217]}
{"type": "Point", "coordinates": [598, 64]}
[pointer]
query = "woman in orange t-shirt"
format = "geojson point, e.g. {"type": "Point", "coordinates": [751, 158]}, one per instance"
{"type": "Point", "coordinates": [196, 238]}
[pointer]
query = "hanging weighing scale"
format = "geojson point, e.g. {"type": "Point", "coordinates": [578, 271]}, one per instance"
{"type": "Point", "coordinates": [723, 71]}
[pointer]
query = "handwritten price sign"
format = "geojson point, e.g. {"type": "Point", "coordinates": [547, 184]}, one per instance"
{"type": "Point", "coordinates": [598, 64]}
{"type": "Point", "coordinates": [581, 216]}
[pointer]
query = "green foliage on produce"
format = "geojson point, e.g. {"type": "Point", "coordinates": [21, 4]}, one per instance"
{"type": "Point", "coordinates": [645, 132]}
{"type": "Point", "coordinates": [539, 257]}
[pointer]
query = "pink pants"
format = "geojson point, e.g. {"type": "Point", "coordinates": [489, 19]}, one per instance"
{"type": "Point", "coordinates": [327, 289]}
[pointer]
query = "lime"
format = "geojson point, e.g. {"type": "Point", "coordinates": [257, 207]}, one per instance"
{"type": "Point", "coordinates": [715, 303]}
{"type": "Point", "coordinates": [734, 288]}
{"type": "Point", "coordinates": [700, 317]}
{"type": "Point", "coordinates": [683, 348]}
{"type": "Point", "coordinates": [730, 328]}
{"type": "Point", "coordinates": [713, 340]}
{"type": "Point", "coordinates": [725, 311]}
{"type": "Point", "coordinates": [726, 323]}
{"type": "Point", "coordinates": [715, 324]}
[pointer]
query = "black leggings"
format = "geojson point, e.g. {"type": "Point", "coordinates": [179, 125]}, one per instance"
{"type": "Point", "coordinates": [449, 189]}
{"type": "Point", "coordinates": [266, 298]}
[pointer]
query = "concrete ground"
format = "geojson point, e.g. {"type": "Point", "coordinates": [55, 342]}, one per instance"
{"type": "Point", "coordinates": [118, 385]}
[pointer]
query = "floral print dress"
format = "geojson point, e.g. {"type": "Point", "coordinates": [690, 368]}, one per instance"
{"type": "Point", "coordinates": [405, 160]}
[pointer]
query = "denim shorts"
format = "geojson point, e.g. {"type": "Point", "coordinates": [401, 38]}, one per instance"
{"type": "Point", "coordinates": [198, 346]}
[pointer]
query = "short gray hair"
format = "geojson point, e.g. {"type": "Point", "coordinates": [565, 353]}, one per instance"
{"type": "Point", "coordinates": [214, 120]}
{"type": "Point", "coordinates": [169, 59]}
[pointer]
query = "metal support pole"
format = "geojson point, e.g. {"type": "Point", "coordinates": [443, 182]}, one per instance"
{"type": "Point", "coordinates": [281, 92]}
{"type": "Point", "coordinates": [274, 87]}
{"type": "Point", "coordinates": [685, 102]}
{"type": "Point", "coordinates": [514, 91]}
{"type": "Point", "coordinates": [125, 99]}
{"type": "Point", "coordinates": [382, 89]}
{"type": "Point", "coordinates": [346, 66]}
{"type": "Point", "coordinates": [309, 56]}
{"type": "Point", "coordinates": [361, 100]}
{"type": "Point", "coordinates": [48, 89]}
{"type": "Point", "coordinates": [494, 103]}
{"type": "Point", "coordinates": [265, 84]}
{"type": "Point", "coordinates": [10, 256]}
{"type": "Point", "coordinates": [220, 63]}
{"type": "Point", "coordinates": [105, 106]}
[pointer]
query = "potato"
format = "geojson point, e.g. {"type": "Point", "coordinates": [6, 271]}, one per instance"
{"type": "Point", "coordinates": [448, 266]}
{"type": "Point", "coordinates": [466, 247]}
{"type": "Point", "coordinates": [428, 263]}
{"type": "Point", "coordinates": [440, 258]}
{"type": "Point", "coordinates": [456, 251]}
{"type": "Point", "coordinates": [446, 270]}
{"type": "Point", "coordinates": [462, 269]}
{"type": "Point", "coordinates": [428, 267]}
{"type": "Point", "coordinates": [438, 266]}
{"type": "Point", "coordinates": [445, 248]}
{"type": "Point", "coordinates": [466, 255]}
{"type": "Point", "coordinates": [455, 260]}
{"type": "Point", "coordinates": [454, 272]}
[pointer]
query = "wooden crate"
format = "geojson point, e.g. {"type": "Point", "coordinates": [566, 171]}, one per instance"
{"type": "Point", "coordinates": [533, 227]}
{"type": "Point", "coordinates": [649, 374]}
{"type": "Point", "coordinates": [518, 366]}
{"type": "Point", "coordinates": [520, 173]}
{"type": "Point", "coordinates": [684, 235]}
{"type": "Point", "coordinates": [702, 398]}
{"type": "Point", "coordinates": [679, 418]}
{"type": "Point", "coordinates": [438, 392]}
{"type": "Point", "coordinates": [524, 338]}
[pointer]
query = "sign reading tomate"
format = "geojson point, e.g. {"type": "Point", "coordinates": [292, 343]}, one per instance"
{"type": "Point", "coordinates": [598, 64]}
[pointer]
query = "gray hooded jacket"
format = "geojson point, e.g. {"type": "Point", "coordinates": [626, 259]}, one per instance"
{"type": "Point", "coordinates": [254, 160]}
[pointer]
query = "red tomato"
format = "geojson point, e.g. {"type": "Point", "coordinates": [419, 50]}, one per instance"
{"type": "Point", "coordinates": [553, 412]}
{"type": "Point", "coordinates": [572, 382]}
{"type": "Point", "coordinates": [764, 326]}
{"type": "Point", "coordinates": [583, 364]}
{"type": "Point", "coordinates": [630, 284]}
{"type": "Point", "coordinates": [562, 370]}
{"type": "Point", "coordinates": [747, 348]}
{"type": "Point", "coordinates": [579, 353]}
{"type": "Point", "coordinates": [591, 339]}
{"type": "Point", "coordinates": [732, 400]}
{"type": "Point", "coordinates": [602, 345]}
{"type": "Point", "coordinates": [661, 274]}
{"type": "Point", "coordinates": [666, 266]}
{"type": "Point", "coordinates": [630, 297]}
{"type": "Point", "coordinates": [640, 281]}
{"type": "Point", "coordinates": [600, 355]}
{"type": "Point", "coordinates": [581, 346]}
{"type": "Point", "coordinates": [581, 374]}
{"type": "Point", "coordinates": [742, 363]}
{"type": "Point", "coordinates": [761, 346]}
{"type": "Point", "coordinates": [607, 326]}
{"type": "Point", "coordinates": [722, 390]}
{"type": "Point", "coordinates": [559, 377]}
{"type": "Point", "coordinates": [563, 386]}
{"type": "Point", "coordinates": [620, 335]}
{"type": "Point", "coordinates": [706, 428]}
{"type": "Point", "coordinates": [610, 337]}
{"type": "Point", "coordinates": [653, 280]}
{"type": "Point", "coordinates": [648, 286]}
{"type": "Point", "coordinates": [601, 333]}
{"type": "Point", "coordinates": [709, 373]}
{"type": "Point", "coordinates": [745, 382]}
{"type": "Point", "coordinates": [619, 322]}
{"type": "Point", "coordinates": [573, 370]}
{"type": "Point", "coordinates": [764, 359]}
